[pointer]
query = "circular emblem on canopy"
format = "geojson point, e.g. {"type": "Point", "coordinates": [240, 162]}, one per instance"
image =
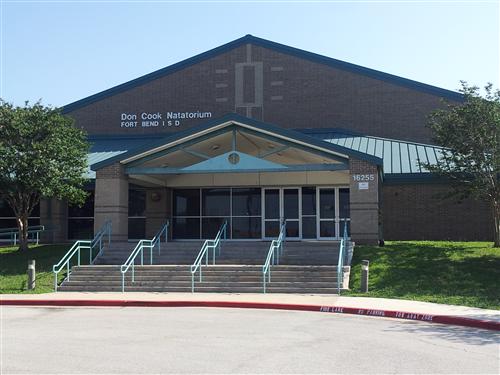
{"type": "Point", "coordinates": [233, 158]}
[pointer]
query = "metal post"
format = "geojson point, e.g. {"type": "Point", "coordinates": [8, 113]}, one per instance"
{"type": "Point", "coordinates": [264, 281]}
{"type": "Point", "coordinates": [192, 282]}
{"type": "Point", "coordinates": [133, 272]}
{"type": "Point", "coordinates": [142, 255]}
{"type": "Point", "coordinates": [37, 237]}
{"type": "Point", "coordinates": [123, 282]}
{"type": "Point", "coordinates": [78, 255]}
{"type": "Point", "coordinates": [15, 238]}
{"type": "Point", "coordinates": [31, 274]}
{"type": "Point", "coordinates": [67, 269]}
{"type": "Point", "coordinates": [364, 275]}
{"type": "Point", "coordinates": [151, 253]}
{"type": "Point", "coordinates": [55, 282]}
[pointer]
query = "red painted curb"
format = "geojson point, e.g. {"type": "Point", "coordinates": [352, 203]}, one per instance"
{"type": "Point", "coordinates": [442, 319]}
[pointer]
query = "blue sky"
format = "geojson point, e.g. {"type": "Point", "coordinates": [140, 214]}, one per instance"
{"type": "Point", "coordinates": [62, 51]}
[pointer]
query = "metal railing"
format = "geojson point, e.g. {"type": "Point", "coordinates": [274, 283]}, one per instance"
{"type": "Point", "coordinates": [139, 249]}
{"type": "Point", "coordinates": [65, 261]}
{"type": "Point", "coordinates": [77, 247]}
{"type": "Point", "coordinates": [130, 262]}
{"type": "Point", "coordinates": [157, 238]}
{"type": "Point", "coordinates": [105, 230]}
{"type": "Point", "coordinates": [273, 255]}
{"type": "Point", "coordinates": [342, 251]}
{"type": "Point", "coordinates": [34, 230]}
{"type": "Point", "coordinates": [208, 244]}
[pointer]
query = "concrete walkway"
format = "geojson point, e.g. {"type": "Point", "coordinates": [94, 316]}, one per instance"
{"type": "Point", "coordinates": [331, 301]}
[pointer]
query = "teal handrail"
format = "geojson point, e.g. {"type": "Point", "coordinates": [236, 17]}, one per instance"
{"type": "Point", "coordinates": [157, 238]}
{"type": "Point", "coordinates": [340, 263]}
{"type": "Point", "coordinates": [208, 244]}
{"type": "Point", "coordinates": [105, 230]}
{"type": "Point", "coordinates": [65, 261]}
{"type": "Point", "coordinates": [13, 232]}
{"type": "Point", "coordinates": [80, 245]}
{"type": "Point", "coordinates": [272, 259]}
{"type": "Point", "coordinates": [139, 248]}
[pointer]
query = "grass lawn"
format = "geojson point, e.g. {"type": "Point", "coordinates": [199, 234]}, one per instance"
{"type": "Point", "coordinates": [456, 273]}
{"type": "Point", "coordinates": [13, 267]}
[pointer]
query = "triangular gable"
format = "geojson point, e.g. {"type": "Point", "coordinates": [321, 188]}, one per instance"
{"type": "Point", "coordinates": [232, 161]}
{"type": "Point", "coordinates": [250, 39]}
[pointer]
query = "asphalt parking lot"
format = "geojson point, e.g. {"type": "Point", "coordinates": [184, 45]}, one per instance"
{"type": "Point", "coordinates": [215, 340]}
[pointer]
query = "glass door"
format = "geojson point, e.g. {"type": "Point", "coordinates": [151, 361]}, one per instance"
{"type": "Point", "coordinates": [327, 228]}
{"type": "Point", "coordinates": [272, 213]}
{"type": "Point", "coordinates": [290, 203]}
{"type": "Point", "coordinates": [279, 204]}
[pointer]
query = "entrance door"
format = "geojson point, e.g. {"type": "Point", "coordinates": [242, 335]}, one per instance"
{"type": "Point", "coordinates": [327, 228]}
{"type": "Point", "coordinates": [281, 204]}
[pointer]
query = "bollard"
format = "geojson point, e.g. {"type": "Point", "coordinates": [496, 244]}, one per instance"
{"type": "Point", "coordinates": [31, 274]}
{"type": "Point", "coordinates": [364, 275]}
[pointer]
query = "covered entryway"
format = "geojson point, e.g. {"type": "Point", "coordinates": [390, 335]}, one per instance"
{"type": "Point", "coordinates": [240, 171]}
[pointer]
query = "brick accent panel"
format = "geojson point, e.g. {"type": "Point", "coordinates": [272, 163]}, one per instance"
{"type": "Point", "coordinates": [111, 200]}
{"type": "Point", "coordinates": [420, 212]}
{"type": "Point", "coordinates": [364, 203]}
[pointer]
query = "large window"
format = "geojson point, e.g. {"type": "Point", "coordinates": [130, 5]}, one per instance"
{"type": "Point", "coordinates": [81, 219]}
{"type": "Point", "coordinates": [199, 213]}
{"type": "Point", "coordinates": [311, 212]}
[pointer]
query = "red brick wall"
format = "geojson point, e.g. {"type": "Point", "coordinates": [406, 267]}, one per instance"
{"type": "Point", "coordinates": [420, 212]}
{"type": "Point", "coordinates": [296, 93]}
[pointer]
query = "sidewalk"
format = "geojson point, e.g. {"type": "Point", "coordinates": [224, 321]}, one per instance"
{"type": "Point", "coordinates": [380, 307]}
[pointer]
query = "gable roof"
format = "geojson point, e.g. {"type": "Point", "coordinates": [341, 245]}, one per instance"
{"type": "Point", "coordinates": [250, 39]}
{"type": "Point", "coordinates": [226, 121]}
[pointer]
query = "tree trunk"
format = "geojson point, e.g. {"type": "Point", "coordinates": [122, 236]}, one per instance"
{"type": "Point", "coordinates": [22, 225]}
{"type": "Point", "coordinates": [496, 214]}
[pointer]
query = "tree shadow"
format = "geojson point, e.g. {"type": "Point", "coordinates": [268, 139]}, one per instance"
{"type": "Point", "coordinates": [457, 334]}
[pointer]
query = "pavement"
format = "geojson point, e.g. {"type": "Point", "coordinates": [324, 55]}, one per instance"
{"type": "Point", "coordinates": [199, 340]}
{"type": "Point", "coordinates": [376, 307]}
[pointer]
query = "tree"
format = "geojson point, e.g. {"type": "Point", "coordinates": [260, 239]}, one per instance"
{"type": "Point", "coordinates": [471, 133]}
{"type": "Point", "coordinates": [41, 155]}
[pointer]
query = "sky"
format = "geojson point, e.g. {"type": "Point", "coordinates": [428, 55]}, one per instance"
{"type": "Point", "coordinates": [61, 51]}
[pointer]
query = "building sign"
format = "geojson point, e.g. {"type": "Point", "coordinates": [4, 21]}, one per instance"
{"type": "Point", "coordinates": [363, 185]}
{"type": "Point", "coordinates": [159, 119]}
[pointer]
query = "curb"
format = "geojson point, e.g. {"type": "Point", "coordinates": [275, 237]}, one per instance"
{"type": "Point", "coordinates": [430, 318]}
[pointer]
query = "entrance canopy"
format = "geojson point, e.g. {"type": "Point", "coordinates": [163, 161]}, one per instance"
{"type": "Point", "coordinates": [233, 144]}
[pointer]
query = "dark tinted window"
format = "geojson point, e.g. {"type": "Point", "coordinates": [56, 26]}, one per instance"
{"type": "Point", "coordinates": [136, 202]}
{"type": "Point", "coordinates": [216, 202]}
{"type": "Point", "coordinates": [246, 202]}
{"type": "Point", "coordinates": [87, 210]}
{"type": "Point", "coordinates": [186, 202]}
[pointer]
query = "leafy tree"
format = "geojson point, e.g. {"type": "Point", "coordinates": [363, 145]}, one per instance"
{"type": "Point", "coordinates": [41, 155]}
{"type": "Point", "coordinates": [471, 132]}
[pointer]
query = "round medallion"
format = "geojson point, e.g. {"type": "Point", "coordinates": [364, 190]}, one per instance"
{"type": "Point", "coordinates": [233, 158]}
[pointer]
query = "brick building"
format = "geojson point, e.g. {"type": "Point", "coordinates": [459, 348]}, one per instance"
{"type": "Point", "coordinates": [254, 132]}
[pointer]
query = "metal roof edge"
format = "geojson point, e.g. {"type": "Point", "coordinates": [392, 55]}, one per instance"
{"type": "Point", "coordinates": [413, 178]}
{"type": "Point", "coordinates": [314, 57]}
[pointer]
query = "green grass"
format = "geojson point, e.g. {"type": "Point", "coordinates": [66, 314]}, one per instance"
{"type": "Point", "coordinates": [456, 273]}
{"type": "Point", "coordinates": [13, 266]}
